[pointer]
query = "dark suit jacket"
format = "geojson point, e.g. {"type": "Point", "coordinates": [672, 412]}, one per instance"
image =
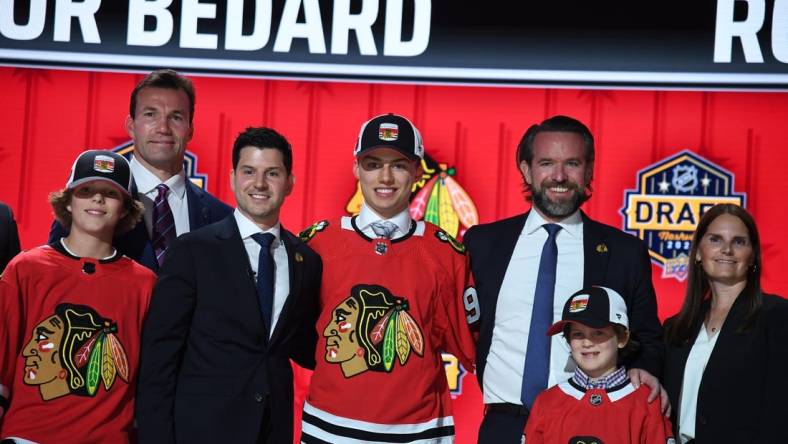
{"type": "Point", "coordinates": [204, 209]}
{"type": "Point", "coordinates": [9, 237]}
{"type": "Point", "coordinates": [207, 370]}
{"type": "Point", "coordinates": [612, 259]}
{"type": "Point", "coordinates": [742, 396]}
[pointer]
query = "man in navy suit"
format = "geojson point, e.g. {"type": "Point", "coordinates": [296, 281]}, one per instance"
{"type": "Point", "coordinates": [556, 160]}
{"type": "Point", "coordinates": [160, 122]}
{"type": "Point", "coordinates": [235, 301]}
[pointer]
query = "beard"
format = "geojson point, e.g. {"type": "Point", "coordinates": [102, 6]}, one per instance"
{"type": "Point", "coordinates": [558, 209]}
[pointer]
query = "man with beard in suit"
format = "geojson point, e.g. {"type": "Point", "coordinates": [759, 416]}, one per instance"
{"type": "Point", "coordinates": [527, 266]}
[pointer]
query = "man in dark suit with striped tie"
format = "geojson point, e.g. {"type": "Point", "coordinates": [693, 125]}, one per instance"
{"type": "Point", "coordinates": [527, 266]}
{"type": "Point", "coordinates": [235, 301]}
{"type": "Point", "coordinates": [160, 122]}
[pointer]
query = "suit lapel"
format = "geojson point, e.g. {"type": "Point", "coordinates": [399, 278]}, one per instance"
{"type": "Point", "coordinates": [295, 265]}
{"type": "Point", "coordinates": [236, 260]}
{"type": "Point", "coordinates": [596, 253]}
{"type": "Point", "coordinates": [198, 213]}
{"type": "Point", "coordinates": [505, 244]}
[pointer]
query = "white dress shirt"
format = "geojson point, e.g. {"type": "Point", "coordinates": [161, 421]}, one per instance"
{"type": "Point", "coordinates": [367, 216]}
{"type": "Point", "coordinates": [693, 374]}
{"type": "Point", "coordinates": [503, 373]}
{"type": "Point", "coordinates": [146, 188]}
{"type": "Point", "coordinates": [281, 267]}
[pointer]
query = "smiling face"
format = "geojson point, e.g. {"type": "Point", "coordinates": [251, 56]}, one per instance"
{"type": "Point", "coordinates": [726, 251]}
{"type": "Point", "coordinates": [96, 208]}
{"type": "Point", "coordinates": [42, 355]}
{"type": "Point", "coordinates": [161, 128]}
{"type": "Point", "coordinates": [261, 183]}
{"type": "Point", "coordinates": [558, 174]}
{"type": "Point", "coordinates": [386, 178]}
{"type": "Point", "coordinates": [595, 350]}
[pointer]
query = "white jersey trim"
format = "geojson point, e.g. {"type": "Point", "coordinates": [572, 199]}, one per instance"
{"type": "Point", "coordinates": [570, 390]}
{"type": "Point", "coordinates": [371, 427]}
{"type": "Point", "coordinates": [621, 393]}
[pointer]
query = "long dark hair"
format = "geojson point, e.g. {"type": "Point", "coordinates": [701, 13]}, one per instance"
{"type": "Point", "coordinates": [698, 290]}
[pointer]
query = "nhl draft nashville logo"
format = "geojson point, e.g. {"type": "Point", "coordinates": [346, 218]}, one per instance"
{"type": "Point", "coordinates": [671, 197]}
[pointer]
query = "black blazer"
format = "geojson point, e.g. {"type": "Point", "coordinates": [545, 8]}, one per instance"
{"type": "Point", "coordinates": [204, 209]}
{"type": "Point", "coordinates": [612, 259]}
{"type": "Point", "coordinates": [9, 236]}
{"type": "Point", "coordinates": [207, 370]}
{"type": "Point", "coordinates": [742, 396]}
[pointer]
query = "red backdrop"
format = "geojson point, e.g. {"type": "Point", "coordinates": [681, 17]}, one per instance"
{"type": "Point", "coordinates": [51, 115]}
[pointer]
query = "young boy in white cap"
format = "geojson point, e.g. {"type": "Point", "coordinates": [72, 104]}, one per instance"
{"type": "Point", "coordinates": [72, 314]}
{"type": "Point", "coordinates": [598, 404]}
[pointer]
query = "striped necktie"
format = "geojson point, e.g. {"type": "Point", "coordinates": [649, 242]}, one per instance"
{"type": "Point", "coordinates": [163, 230]}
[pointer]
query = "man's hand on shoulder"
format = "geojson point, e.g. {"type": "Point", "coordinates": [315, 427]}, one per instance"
{"type": "Point", "coordinates": [639, 376]}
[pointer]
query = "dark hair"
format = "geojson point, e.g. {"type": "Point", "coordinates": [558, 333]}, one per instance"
{"type": "Point", "coordinates": [263, 138]}
{"type": "Point", "coordinates": [630, 348]}
{"type": "Point", "coordinates": [563, 124]}
{"type": "Point", "coordinates": [167, 79]}
{"type": "Point", "coordinates": [61, 199]}
{"type": "Point", "coordinates": [680, 330]}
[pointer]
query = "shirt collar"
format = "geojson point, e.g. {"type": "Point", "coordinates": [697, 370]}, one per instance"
{"type": "Point", "coordinates": [573, 224]}
{"type": "Point", "coordinates": [367, 216]}
{"type": "Point", "coordinates": [247, 228]}
{"type": "Point", "coordinates": [612, 380]}
{"type": "Point", "coordinates": [146, 181]}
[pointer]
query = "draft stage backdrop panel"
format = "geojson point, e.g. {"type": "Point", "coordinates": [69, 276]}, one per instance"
{"type": "Point", "coordinates": [51, 115]}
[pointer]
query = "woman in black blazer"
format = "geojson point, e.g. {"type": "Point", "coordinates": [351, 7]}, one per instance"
{"type": "Point", "coordinates": [727, 347]}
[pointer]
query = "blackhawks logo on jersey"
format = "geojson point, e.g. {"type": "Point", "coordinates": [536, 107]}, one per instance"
{"type": "Point", "coordinates": [371, 330]}
{"type": "Point", "coordinates": [312, 230]}
{"type": "Point", "coordinates": [443, 237]}
{"type": "Point", "coordinates": [74, 351]}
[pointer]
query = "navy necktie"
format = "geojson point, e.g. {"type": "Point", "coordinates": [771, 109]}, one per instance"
{"type": "Point", "coordinates": [265, 276]}
{"type": "Point", "coordinates": [163, 226]}
{"type": "Point", "coordinates": [537, 353]}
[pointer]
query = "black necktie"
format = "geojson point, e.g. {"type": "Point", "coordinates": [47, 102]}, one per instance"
{"type": "Point", "coordinates": [265, 276]}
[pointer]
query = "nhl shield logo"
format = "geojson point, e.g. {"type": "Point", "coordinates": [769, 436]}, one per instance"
{"type": "Point", "coordinates": [685, 178]}
{"type": "Point", "coordinates": [670, 198]}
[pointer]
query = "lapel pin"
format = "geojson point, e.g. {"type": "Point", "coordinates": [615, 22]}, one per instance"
{"type": "Point", "coordinates": [298, 257]}
{"type": "Point", "coordinates": [601, 248]}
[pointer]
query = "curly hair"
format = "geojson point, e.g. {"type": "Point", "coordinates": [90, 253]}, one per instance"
{"type": "Point", "coordinates": [61, 199]}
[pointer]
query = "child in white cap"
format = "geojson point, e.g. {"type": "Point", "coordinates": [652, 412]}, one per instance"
{"type": "Point", "coordinates": [598, 404]}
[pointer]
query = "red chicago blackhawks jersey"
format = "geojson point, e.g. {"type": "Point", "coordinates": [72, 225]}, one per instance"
{"type": "Point", "coordinates": [567, 413]}
{"type": "Point", "coordinates": [69, 345]}
{"type": "Point", "coordinates": [388, 310]}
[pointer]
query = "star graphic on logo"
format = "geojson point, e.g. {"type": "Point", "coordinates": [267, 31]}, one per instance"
{"type": "Point", "coordinates": [663, 186]}
{"type": "Point", "coordinates": [705, 182]}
